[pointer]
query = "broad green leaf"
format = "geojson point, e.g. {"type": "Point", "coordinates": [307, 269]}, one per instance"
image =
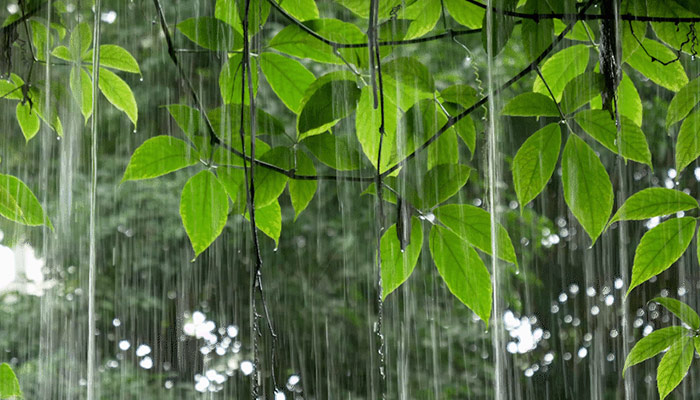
{"type": "Point", "coordinates": [462, 270]}
{"type": "Point", "coordinates": [329, 99]}
{"type": "Point", "coordinates": [633, 144]}
{"type": "Point", "coordinates": [9, 385]}
{"type": "Point", "coordinates": [577, 33]}
{"type": "Point", "coordinates": [81, 88]}
{"type": "Point", "coordinates": [536, 35]}
{"type": "Point", "coordinates": [287, 77]}
{"type": "Point", "coordinates": [80, 40]}
{"type": "Point", "coordinates": [158, 156]}
{"type": "Point", "coordinates": [361, 7]}
{"type": "Point", "coordinates": [302, 191]}
{"type": "Point", "coordinates": [226, 122]}
{"type": "Point", "coordinates": [211, 33]}
{"type": "Point", "coordinates": [16, 196]}
{"type": "Point", "coordinates": [534, 163]}
{"type": "Point", "coordinates": [439, 184]}
{"type": "Point", "coordinates": [653, 344]}
{"type": "Point", "coordinates": [464, 95]}
{"type": "Point", "coordinates": [269, 184]}
{"type": "Point", "coordinates": [674, 366]}
{"type": "Point", "coordinates": [501, 27]}
{"type": "Point", "coordinates": [46, 109]}
{"type": "Point", "coordinates": [427, 15]}
{"type": "Point", "coordinates": [671, 77]}
{"type": "Point", "coordinates": [628, 101]}
{"type": "Point", "coordinates": [680, 310]}
{"type": "Point", "coordinates": [367, 128]}
{"type": "Point", "coordinates": [473, 224]}
{"type": "Point", "coordinates": [62, 52]}
{"type": "Point", "coordinates": [387, 195]}
{"type": "Point", "coordinates": [296, 42]}
{"type": "Point", "coordinates": [303, 10]}
{"type": "Point", "coordinates": [397, 264]}
{"type": "Point", "coordinates": [28, 120]}
{"type": "Point", "coordinates": [531, 104]}
{"type": "Point", "coordinates": [231, 178]}
{"type": "Point", "coordinates": [675, 35]}
{"type": "Point", "coordinates": [653, 202]}
{"type": "Point", "coordinates": [204, 210]}
{"type": "Point", "coordinates": [660, 247]}
{"type": "Point", "coordinates": [269, 220]}
{"type": "Point", "coordinates": [467, 132]}
{"type": "Point", "coordinates": [466, 14]}
{"type": "Point", "coordinates": [407, 81]}
{"type": "Point", "coordinates": [113, 56]}
{"type": "Point", "coordinates": [118, 93]}
{"type": "Point", "coordinates": [187, 118]}
{"type": "Point", "coordinates": [40, 35]}
{"type": "Point", "coordinates": [11, 89]}
{"type": "Point", "coordinates": [581, 90]}
{"type": "Point", "coordinates": [587, 188]}
{"type": "Point", "coordinates": [417, 126]}
{"type": "Point", "coordinates": [560, 68]}
{"type": "Point", "coordinates": [683, 102]}
{"type": "Point", "coordinates": [688, 141]}
{"type": "Point", "coordinates": [230, 80]}
{"type": "Point", "coordinates": [336, 152]}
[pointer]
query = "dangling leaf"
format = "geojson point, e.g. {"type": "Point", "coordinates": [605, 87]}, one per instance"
{"type": "Point", "coordinates": [674, 366]}
{"type": "Point", "coordinates": [653, 344]}
{"type": "Point", "coordinates": [683, 102]}
{"type": "Point", "coordinates": [288, 78]}
{"type": "Point", "coordinates": [230, 82]}
{"type": "Point", "coordinates": [118, 93]}
{"type": "Point", "coordinates": [204, 210]}
{"type": "Point", "coordinates": [302, 191]}
{"type": "Point", "coordinates": [28, 120]}
{"type": "Point", "coordinates": [560, 68]}
{"type": "Point", "coordinates": [671, 76]}
{"type": "Point", "coordinates": [653, 202]}
{"type": "Point", "coordinates": [681, 310]}
{"type": "Point", "coordinates": [329, 99]}
{"type": "Point", "coordinates": [688, 142]}
{"type": "Point", "coordinates": [18, 203]}
{"type": "Point", "coordinates": [398, 264]}
{"type": "Point", "coordinates": [9, 385]}
{"type": "Point", "coordinates": [534, 163]}
{"type": "Point", "coordinates": [158, 156]}
{"type": "Point", "coordinates": [211, 33]}
{"type": "Point", "coordinates": [633, 143]}
{"type": "Point", "coordinates": [531, 104]}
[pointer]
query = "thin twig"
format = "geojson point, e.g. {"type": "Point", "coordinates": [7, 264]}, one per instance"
{"type": "Point", "coordinates": [688, 38]}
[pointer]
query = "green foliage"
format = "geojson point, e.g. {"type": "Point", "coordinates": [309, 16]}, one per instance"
{"type": "Point", "coordinates": [18, 203]}
{"type": "Point", "coordinates": [688, 143]}
{"type": "Point", "coordinates": [398, 263]}
{"type": "Point", "coordinates": [531, 104]}
{"type": "Point", "coordinates": [159, 156]}
{"type": "Point", "coordinates": [287, 77]}
{"type": "Point", "coordinates": [632, 142]}
{"type": "Point", "coordinates": [653, 202]}
{"type": "Point", "coordinates": [9, 386]}
{"type": "Point", "coordinates": [535, 161]}
{"type": "Point", "coordinates": [204, 209]}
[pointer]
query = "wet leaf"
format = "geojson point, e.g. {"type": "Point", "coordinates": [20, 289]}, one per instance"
{"type": "Point", "coordinates": [269, 220]}
{"type": "Point", "coordinates": [329, 99]}
{"type": "Point", "coordinates": [531, 104]}
{"type": "Point", "coordinates": [633, 142]}
{"type": "Point", "coordinates": [653, 202]}
{"type": "Point", "coordinates": [397, 264]}
{"type": "Point", "coordinates": [671, 77]}
{"type": "Point", "coordinates": [187, 118]}
{"type": "Point", "coordinates": [158, 156]}
{"type": "Point", "coordinates": [683, 102]}
{"type": "Point", "coordinates": [113, 56]}
{"type": "Point", "coordinates": [9, 385]}
{"type": "Point", "coordinates": [230, 82]}
{"type": "Point", "coordinates": [118, 93]}
{"type": "Point", "coordinates": [534, 163]}
{"type": "Point", "coordinates": [674, 366]}
{"type": "Point", "coordinates": [466, 14]}
{"type": "Point", "coordinates": [18, 203]}
{"type": "Point", "coordinates": [581, 90]}
{"type": "Point", "coordinates": [653, 344]}
{"type": "Point", "coordinates": [660, 247]}
{"type": "Point", "coordinates": [287, 77]}
{"type": "Point", "coordinates": [628, 101]}
{"type": "Point", "coordinates": [302, 191]}
{"type": "Point", "coordinates": [211, 33]}
{"type": "Point", "coordinates": [367, 129]}
{"type": "Point", "coordinates": [680, 310]}
{"type": "Point", "coordinates": [28, 120]}
{"type": "Point", "coordinates": [336, 152]}
{"type": "Point", "coordinates": [427, 15]}
{"type": "Point", "coordinates": [81, 88]}
{"type": "Point", "coordinates": [204, 210]}
{"type": "Point", "coordinates": [302, 10]}
{"type": "Point", "coordinates": [560, 68]}
{"type": "Point", "coordinates": [688, 142]}
{"type": "Point", "coordinates": [407, 81]}
{"type": "Point", "coordinates": [439, 184]}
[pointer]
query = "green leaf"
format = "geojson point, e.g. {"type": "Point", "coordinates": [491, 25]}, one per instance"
{"type": "Point", "coordinates": [230, 80]}
{"type": "Point", "coordinates": [80, 40]}
{"type": "Point", "coordinates": [113, 56]}
{"type": "Point", "coordinates": [439, 184]}
{"type": "Point", "coordinates": [560, 68]}
{"type": "Point", "coordinates": [688, 141]}
{"type": "Point", "coordinates": [232, 179]}
{"type": "Point", "coordinates": [9, 385]}
{"type": "Point", "coordinates": [11, 89]}
{"type": "Point", "coordinates": [187, 118]}
{"type": "Point", "coordinates": [397, 264]}
{"type": "Point", "coordinates": [462, 270]}
{"type": "Point", "coordinates": [407, 81]}
{"type": "Point", "coordinates": [269, 184]}
{"type": "Point", "coordinates": [466, 14]}
{"type": "Point", "coordinates": [329, 99]}
{"type": "Point", "coordinates": [81, 88]}
{"type": "Point", "coordinates": [628, 101]}
{"type": "Point", "coordinates": [587, 188]}
{"type": "Point", "coordinates": [675, 35]}
{"type": "Point", "coordinates": [633, 143]}
{"type": "Point", "coordinates": [464, 95]}
{"type": "Point", "coordinates": [18, 203]}
{"type": "Point", "coordinates": [336, 152]}
{"type": "Point", "coordinates": [28, 120]}
{"type": "Point", "coordinates": [427, 15]}
{"type": "Point", "coordinates": [226, 122]}
{"type": "Point", "coordinates": [581, 90]}
{"type": "Point", "coordinates": [211, 33]}
{"type": "Point", "coordinates": [534, 163]}
{"type": "Point", "coordinates": [303, 10]}
{"type": "Point", "coordinates": [42, 39]}
{"type": "Point", "coordinates": [269, 220]}
{"type": "Point", "coordinates": [683, 102]}
{"type": "Point", "coordinates": [653, 344]}
{"type": "Point", "coordinates": [653, 202]}
{"type": "Point", "coordinates": [501, 27]}
{"type": "Point", "coordinates": [118, 93]}
{"type": "Point", "coordinates": [302, 191]}
{"type": "Point", "coordinates": [62, 52]}
{"type": "Point", "coordinates": [680, 310]}
{"type": "Point", "coordinates": [473, 224]}
{"type": "Point", "coordinates": [531, 104]}
{"type": "Point", "coordinates": [158, 156]}
{"type": "Point", "coordinates": [367, 129]}
{"type": "Point", "coordinates": [577, 33]}
{"type": "Point", "coordinates": [361, 7]}
{"type": "Point", "coordinates": [233, 11]}
{"type": "Point", "coordinates": [536, 35]}
{"type": "Point", "coordinates": [204, 210]}
{"type": "Point", "coordinates": [287, 77]}
{"type": "Point", "coordinates": [674, 366]}
{"type": "Point", "coordinates": [467, 132]}
{"type": "Point", "coordinates": [671, 77]}
{"type": "Point", "coordinates": [660, 247]}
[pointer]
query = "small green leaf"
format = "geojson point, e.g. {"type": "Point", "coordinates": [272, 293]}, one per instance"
{"type": "Point", "coordinates": [633, 143]}
{"type": "Point", "coordinates": [407, 81]}
{"type": "Point", "coordinates": [28, 120]}
{"type": "Point", "coordinates": [329, 99]}
{"type": "Point", "coordinates": [233, 11]}
{"type": "Point", "coordinates": [439, 184]}
{"type": "Point", "coordinates": [62, 52]}
{"type": "Point", "coordinates": [501, 27]}
{"type": "Point", "coordinates": [158, 156]}
{"type": "Point", "coordinates": [187, 118]}
{"type": "Point", "coordinates": [230, 80]}
{"type": "Point", "coordinates": [464, 95]}
{"type": "Point", "coordinates": [628, 101]}
{"type": "Point", "coordinates": [232, 178]}
{"type": "Point", "coordinates": [211, 33]}
{"type": "Point", "coordinates": [653, 202]}
{"type": "Point", "coordinates": [367, 125]}
{"type": "Point", "coordinates": [204, 210]}
{"type": "Point", "coordinates": [560, 68]}
{"type": "Point", "coordinates": [473, 224]}
{"type": "Point", "coordinates": [683, 102]}
{"type": "Point", "coordinates": [336, 152]}
{"type": "Point", "coordinates": [269, 220]}
{"type": "Point", "coordinates": [9, 385]}
{"type": "Point", "coordinates": [226, 122]}
{"type": "Point", "coordinates": [269, 184]}
{"type": "Point", "coordinates": [688, 142]}
{"type": "Point", "coordinates": [287, 77]}
{"type": "Point", "coordinates": [303, 10]}
{"type": "Point", "coordinates": [41, 38]}
{"type": "Point", "coordinates": [113, 56]}
{"type": "Point", "coordinates": [531, 104]}
{"type": "Point", "coordinates": [653, 344]}
{"type": "Point", "coordinates": [18, 203]}
{"type": "Point", "coordinates": [466, 14]}
{"type": "Point", "coordinates": [462, 270]}
{"type": "Point", "coordinates": [580, 90]}
{"type": "Point", "coordinates": [118, 93]}
{"type": "Point", "coordinates": [81, 88]}
{"type": "Point", "coordinates": [587, 188]}
{"type": "Point", "coordinates": [534, 163]}
{"type": "Point", "coordinates": [674, 366]}
{"type": "Point", "coordinates": [80, 40]}
{"type": "Point", "coordinates": [536, 35]}
{"type": "Point", "coordinates": [671, 76]}
{"type": "Point", "coordinates": [427, 15]}
{"type": "Point", "coordinates": [397, 264]}
{"type": "Point", "coordinates": [680, 310]}
{"type": "Point", "coordinates": [660, 247]}
{"type": "Point", "coordinates": [361, 7]}
{"type": "Point", "coordinates": [302, 191]}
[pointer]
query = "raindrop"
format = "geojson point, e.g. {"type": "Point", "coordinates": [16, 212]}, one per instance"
{"type": "Point", "coordinates": [124, 345]}
{"type": "Point", "coordinates": [247, 367]}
